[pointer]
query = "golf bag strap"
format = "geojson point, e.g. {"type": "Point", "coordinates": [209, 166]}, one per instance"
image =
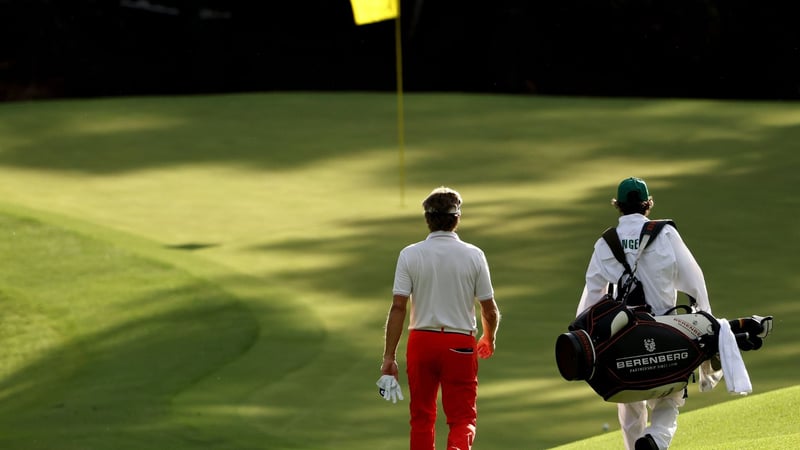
{"type": "Point", "coordinates": [652, 228]}
{"type": "Point", "coordinates": [648, 234]}
{"type": "Point", "coordinates": [612, 239]}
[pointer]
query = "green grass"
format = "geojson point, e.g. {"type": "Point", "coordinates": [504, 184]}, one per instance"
{"type": "Point", "coordinates": [214, 271]}
{"type": "Point", "coordinates": [761, 421]}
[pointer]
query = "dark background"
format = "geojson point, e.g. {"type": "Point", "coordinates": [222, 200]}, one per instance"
{"type": "Point", "coordinates": [655, 48]}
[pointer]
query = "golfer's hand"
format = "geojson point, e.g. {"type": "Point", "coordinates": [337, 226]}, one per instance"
{"type": "Point", "coordinates": [389, 388]}
{"type": "Point", "coordinates": [485, 347]}
{"type": "Point", "coordinates": [389, 367]}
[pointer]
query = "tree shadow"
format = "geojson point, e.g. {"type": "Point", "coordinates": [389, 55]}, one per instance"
{"type": "Point", "coordinates": [266, 131]}
{"type": "Point", "coordinates": [117, 360]}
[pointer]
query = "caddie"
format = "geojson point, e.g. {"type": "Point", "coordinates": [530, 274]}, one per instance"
{"type": "Point", "coordinates": [664, 268]}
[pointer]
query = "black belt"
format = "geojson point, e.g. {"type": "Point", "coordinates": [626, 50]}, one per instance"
{"type": "Point", "coordinates": [445, 330]}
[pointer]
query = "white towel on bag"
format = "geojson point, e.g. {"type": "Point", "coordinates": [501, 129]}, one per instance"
{"type": "Point", "coordinates": [737, 380]}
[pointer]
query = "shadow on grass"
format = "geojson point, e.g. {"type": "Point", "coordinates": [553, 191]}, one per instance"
{"type": "Point", "coordinates": [726, 181]}
{"type": "Point", "coordinates": [114, 360]}
{"type": "Point", "coordinates": [538, 276]}
{"type": "Point", "coordinates": [269, 131]}
{"type": "Point", "coordinates": [511, 138]}
{"type": "Point", "coordinates": [191, 246]}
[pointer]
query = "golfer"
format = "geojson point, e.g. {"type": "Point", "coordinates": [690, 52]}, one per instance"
{"type": "Point", "coordinates": [443, 277]}
{"type": "Point", "coordinates": [664, 268]}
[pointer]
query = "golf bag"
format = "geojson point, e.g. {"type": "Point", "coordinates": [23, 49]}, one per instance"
{"type": "Point", "coordinates": [626, 354]}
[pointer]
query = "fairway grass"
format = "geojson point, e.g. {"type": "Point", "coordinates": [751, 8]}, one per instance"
{"type": "Point", "coordinates": [98, 340]}
{"type": "Point", "coordinates": [767, 421]}
{"type": "Point", "coordinates": [214, 271]}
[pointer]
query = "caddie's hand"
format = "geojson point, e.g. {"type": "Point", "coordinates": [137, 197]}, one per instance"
{"type": "Point", "coordinates": [485, 347]}
{"type": "Point", "coordinates": [389, 388]}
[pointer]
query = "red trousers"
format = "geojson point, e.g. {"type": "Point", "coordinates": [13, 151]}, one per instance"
{"type": "Point", "coordinates": [448, 360]}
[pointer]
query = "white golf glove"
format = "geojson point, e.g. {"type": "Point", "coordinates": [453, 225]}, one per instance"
{"type": "Point", "coordinates": [389, 388]}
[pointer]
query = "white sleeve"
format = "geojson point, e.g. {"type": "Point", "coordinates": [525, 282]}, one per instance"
{"type": "Point", "coordinates": [483, 284]}
{"type": "Point", "coordinates": [690, 279]}
{"type": "Point", "coordinates": [596, 280]}
{"type": "Point", "coordinates": [402, 279]}
{"type": "Point", "coordinates": [584, 304]}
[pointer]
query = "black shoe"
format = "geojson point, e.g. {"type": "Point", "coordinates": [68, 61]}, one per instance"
{"type": "Point", "coordinates": [646, 442]}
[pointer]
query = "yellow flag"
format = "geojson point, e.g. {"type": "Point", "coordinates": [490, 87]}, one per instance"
{"type": "Point", "coordinates": [369, 11]}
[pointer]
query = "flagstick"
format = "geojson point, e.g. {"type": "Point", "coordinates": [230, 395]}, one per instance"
{"type": "Point", "coordinates": [398, 51]}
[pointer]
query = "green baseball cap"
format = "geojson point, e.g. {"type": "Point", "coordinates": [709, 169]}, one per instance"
{"type": "Point", "coordinates": [632, 184]}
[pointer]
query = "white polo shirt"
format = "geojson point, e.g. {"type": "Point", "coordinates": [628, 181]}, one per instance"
{"type": "Point", "coordinates": [444, 276]}
{"type": "Point", "coordinates": [665, 267]}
